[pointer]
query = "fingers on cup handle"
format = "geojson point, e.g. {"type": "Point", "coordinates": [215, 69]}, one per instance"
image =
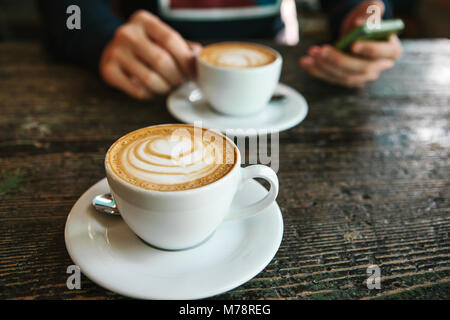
{"type": "Point", "coordinates": [170, 40]}
{"type": "Point", "coordinates": [150, 79]}
{"type": "Point", "coordinates": [116, 77]}
{"type": "Point", "coordinates": [257, 171]}
{"type": "Point", "coordinates": [196, 47]}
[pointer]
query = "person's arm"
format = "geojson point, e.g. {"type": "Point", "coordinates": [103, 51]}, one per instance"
{"type": "Point", "coordinates": [337, 11]}
{"type": "Point", "coordinates": [147, 57]}
{"type": "Point", "coordinates": [84, 46]}
{"type": "Point", "coordinates": [142, 56]}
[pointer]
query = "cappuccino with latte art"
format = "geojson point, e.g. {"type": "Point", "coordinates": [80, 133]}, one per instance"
{"type": "Point", "coordinates": [172, 157]}
{"type": "Point", "coordinates": [174, 184]}
{"type": "Point", "coordinates": [237, 55]}
{"type": "Point", "coordinates": [238, 78]}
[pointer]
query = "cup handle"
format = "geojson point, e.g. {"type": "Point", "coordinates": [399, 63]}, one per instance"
{"type": "Point", "coordinates": [256, 171]}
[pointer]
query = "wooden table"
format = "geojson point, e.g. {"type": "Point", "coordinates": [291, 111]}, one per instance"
{"type": "Point", "coordinates": [365, 179]}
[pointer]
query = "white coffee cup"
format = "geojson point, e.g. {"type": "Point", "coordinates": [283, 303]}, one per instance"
{"type": "Point", "coordinates": [175, 220]}
{"type": "Point", "coordinates": [239, 91]}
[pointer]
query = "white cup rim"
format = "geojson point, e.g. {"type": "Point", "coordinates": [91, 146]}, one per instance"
{"type": "Point", "coordinates": [133, 187]}
{"type": "Point", "coordinates": [277, 60]}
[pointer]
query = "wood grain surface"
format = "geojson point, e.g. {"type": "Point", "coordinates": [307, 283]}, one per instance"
{"type": "Point", "coordinates": [364, 179]}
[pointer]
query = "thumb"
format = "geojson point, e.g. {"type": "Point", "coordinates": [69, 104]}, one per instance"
{"type": "Point", "coordinates": [195, 46]}
{"type": "Point", "coordinates": [361, 13]}
{"type": "Point", "coordinates": [359, 21]}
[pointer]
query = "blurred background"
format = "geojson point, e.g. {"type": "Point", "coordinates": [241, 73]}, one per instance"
{"type": "Point", "coordinates": [19, 20]}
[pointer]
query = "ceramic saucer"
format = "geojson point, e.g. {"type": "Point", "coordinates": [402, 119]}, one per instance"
{"type": "Point", "coordinates": [111, 255]}
{"type": "Point", "coordinates": [188, 105]}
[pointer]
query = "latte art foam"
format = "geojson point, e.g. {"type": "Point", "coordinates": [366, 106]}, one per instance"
{"type": "Point", "coordinates": [237, 55]}
{"type": "Point", "coordinates": [171, 157]}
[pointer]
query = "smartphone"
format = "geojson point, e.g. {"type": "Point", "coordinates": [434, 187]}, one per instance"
{"type": "Point", "coordinates": [367, 32]}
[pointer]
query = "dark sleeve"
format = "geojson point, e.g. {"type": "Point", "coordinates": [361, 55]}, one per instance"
{"type": "Point", "coordinates": [84, 46]}
{"type": "Point", "coordinates": [337, 10]}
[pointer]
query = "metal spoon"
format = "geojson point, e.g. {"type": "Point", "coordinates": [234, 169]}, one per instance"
{"type": "Point", "coordinates": [105, 203]}
{"type": "Point", "coordinates": [277, 97]}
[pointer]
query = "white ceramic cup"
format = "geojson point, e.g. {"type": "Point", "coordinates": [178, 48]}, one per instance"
{"type": "Point", "coordinates": [178, 220]}
{"type": "Point", "coordinates": [239, 91]}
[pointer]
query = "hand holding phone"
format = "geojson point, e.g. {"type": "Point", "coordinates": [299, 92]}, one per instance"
{"type": "Point", "coordinates": [358, 57]}
{"type": "Point", "coordinates": [380, 32]}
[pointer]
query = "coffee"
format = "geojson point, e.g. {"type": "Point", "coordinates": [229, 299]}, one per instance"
{"type": "Point", "coordinates": [200, 168]}
{"type": "Point", "coordinates": [171, 157]}
{"type": "Point", "coordinates": [238, 78]}
{"type": "Point", "coordinates": [237, 55]}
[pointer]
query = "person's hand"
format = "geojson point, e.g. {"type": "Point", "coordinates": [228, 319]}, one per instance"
{"type": "Point", "coordinates": [147, 57]}
{"type": "Point", "coordinates": [366, 61]}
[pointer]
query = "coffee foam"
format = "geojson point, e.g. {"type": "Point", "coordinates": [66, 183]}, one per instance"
{"type": "Point", "coordinates": [171, 157]}
{"type": "Point", "coordinates": [237, 55]}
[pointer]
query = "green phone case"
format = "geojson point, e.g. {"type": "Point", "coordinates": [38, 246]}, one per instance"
{"type": "Point", "coordinates": [364, 32]}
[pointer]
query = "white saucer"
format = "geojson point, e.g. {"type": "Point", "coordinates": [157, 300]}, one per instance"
{"type": "Point", "coordinates": [188, 105]}
{"type": "Point", "coordinates": [111, 255]}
